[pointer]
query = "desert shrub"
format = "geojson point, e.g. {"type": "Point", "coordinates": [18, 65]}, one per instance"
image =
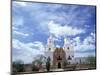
{"type": "Point", "coordinates": [37, 63]}
{"type": "Point", "coordinates": [35, 68]}
{"type": "Point", "coordinates": [18, 66]}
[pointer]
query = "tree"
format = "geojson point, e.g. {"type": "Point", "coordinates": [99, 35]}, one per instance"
{"type": "Point", "coordinates": [18, 66]}
{"type": "Point", "coordinates": [37, 63]}
{"type": "Point", "coordinates": [34, 66]}
{"type": "Point", "coordinates": [92, 61]}
{"type": "Point", "coordinates": [48, 64]}
{"type": "Point", "coordinates": [65, 62]}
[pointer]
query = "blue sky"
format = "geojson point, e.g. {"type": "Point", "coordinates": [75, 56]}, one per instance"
{"type": "Point", "coordinates": [32, 23]}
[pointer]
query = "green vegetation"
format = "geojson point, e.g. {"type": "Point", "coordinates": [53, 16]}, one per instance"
{"type": "Point", "coordinates": [92, 61]}
{"type": "Point", "coordinates": [48, 64]}
{"type": "Point", "coordinates": [65, 63]}
{"type": "Point", "coordinates": [34, 66]}
{"type": "Point", "coordinates": [37, 63]}
{"type": "Point", "coordinates": [18, 66]}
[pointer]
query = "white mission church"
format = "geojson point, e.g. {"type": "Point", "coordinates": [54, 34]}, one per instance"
{"type": "Point", "coordinates": [59, 54]}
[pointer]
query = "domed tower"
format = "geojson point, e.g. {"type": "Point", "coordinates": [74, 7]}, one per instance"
{"type": "Point", "coordinates": [50, 48]}
{"type": "Point", "coordinates": [69, 50]}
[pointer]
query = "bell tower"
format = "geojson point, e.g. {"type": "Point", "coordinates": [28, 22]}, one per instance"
{"type": "Point", "coordinates": [50, 48]}
{"type": "Point", "coordinates": [68, 49]}
{"type": "Point", "coordinates": [50, 43]}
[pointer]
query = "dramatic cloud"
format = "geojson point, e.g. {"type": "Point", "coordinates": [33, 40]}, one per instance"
{"type": "Point", "coordinates": [65, 30]}
{"type": "Point", "coordinates": [85, 47]}
{"type": "Point", "coordinates": [26, 50]}
{"type": "Point", "coordinates": [20, 33]}
{"type": "Point", "coordinates": [87, 44]}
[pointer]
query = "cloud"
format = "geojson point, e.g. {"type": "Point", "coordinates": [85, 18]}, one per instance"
{"type": "Point", "coordinates": [59, 30]}
{"type": "Point", "coordinates": [20, 33]}
{"type": "Point", "coordinates": [24, 51]}
{"type": "Point", "coordinates": [58, 46]}
{"type": "Point", "coordinates": [87, 44]}
{"type": "Point", "coordinates": [85, 47]}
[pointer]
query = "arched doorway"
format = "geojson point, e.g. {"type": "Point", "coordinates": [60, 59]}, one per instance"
{"type": "Point", "coordinates": [58, 56]}
{"type": "Point", "coordinates": [59, 65]}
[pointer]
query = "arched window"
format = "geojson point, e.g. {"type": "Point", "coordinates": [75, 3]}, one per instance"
{"type": "Point", "coordinates": [68, 48]}
{"type": "Point", "coordinates": [49, 48]}
{"type": "Point", "coordinates": [69, 58]}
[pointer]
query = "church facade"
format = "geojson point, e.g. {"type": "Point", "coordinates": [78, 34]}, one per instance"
{"type": "Point", "coordinates": [59, 54]}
